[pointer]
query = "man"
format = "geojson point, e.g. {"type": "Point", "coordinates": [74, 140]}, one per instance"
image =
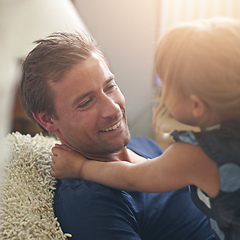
{"type": "Point", "coordinates": [69, 90]}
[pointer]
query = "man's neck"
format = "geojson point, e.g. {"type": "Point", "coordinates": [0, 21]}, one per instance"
{"type": "Point", "coordinates": [123, 154]}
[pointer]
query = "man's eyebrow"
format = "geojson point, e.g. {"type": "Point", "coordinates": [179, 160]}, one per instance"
{"type": "Point", "coordinates": [80, 97]}
{"type": "Point", "coordinates": [110, 78]}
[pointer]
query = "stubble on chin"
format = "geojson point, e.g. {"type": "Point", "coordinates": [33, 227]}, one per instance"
{"type": "Point", "coordinates": [119, 143]}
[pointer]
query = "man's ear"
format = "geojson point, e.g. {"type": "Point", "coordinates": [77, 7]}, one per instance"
{"type": "Point", "coordinates": [198, 106]}
{"type": "Point", "coordinates": [45, 121]}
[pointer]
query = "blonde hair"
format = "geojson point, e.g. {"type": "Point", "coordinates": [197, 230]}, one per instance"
{"type": "Point", "coordinates": [201, 58]}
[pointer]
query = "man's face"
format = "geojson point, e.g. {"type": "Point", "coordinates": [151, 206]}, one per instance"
{"type": "Point", "coordinates": [90, 109]}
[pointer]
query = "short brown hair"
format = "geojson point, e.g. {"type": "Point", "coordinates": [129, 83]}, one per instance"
{"type": "Point", "coordinates": [50, 60]}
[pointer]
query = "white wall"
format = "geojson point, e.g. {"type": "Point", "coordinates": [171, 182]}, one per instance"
{"type": "Point", "coordinates": [22, 22]}
{"type": "Point", "coordinates": [126, 31]}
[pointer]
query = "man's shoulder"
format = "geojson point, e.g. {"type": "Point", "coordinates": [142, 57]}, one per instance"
{"type": "Point", "coordinates": [82, 206]}
{"type": "Point", "coordinates": [82, 186]}
{"type": "Point", "coordinates": [75, 192]}
{"type": "Point", "coordinates": [145, 147]}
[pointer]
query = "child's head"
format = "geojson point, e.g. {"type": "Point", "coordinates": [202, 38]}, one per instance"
{"type": "Point", "coordinates": [201, 58]}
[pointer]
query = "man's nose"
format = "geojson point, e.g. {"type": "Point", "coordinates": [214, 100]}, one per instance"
{"type": "Point", "coordinates": [109, 107]}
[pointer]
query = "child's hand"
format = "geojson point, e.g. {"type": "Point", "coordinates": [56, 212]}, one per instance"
{"type": "Point", "coordinates": [66, 163]}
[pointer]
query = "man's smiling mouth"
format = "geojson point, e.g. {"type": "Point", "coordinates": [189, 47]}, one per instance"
{"type": "Point", "coordinates": [112, 128]}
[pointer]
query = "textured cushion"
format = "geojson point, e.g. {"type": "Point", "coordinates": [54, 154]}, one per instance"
{"type": "Point", "coordinates": [28, 189]}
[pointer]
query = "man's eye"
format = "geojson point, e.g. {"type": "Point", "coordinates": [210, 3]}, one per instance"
{"type": "Point", "coordinates": [84, 104]}
{"type": "Point", "coordinates": [112, 87]}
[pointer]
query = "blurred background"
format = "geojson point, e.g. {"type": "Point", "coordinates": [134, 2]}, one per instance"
{"type": "Point", "coordinates": [127, 31]}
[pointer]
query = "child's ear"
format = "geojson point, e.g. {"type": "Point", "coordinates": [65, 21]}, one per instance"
{"type": "Point", "coordinates": [45, 121]}
{"type": "Point", "coordinates": [198, 106]}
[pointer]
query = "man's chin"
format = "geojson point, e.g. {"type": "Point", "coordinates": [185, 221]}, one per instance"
{"type": "Point", "coordinates": [101, 146]}
{"type": "Point", "coordinates": [115, 145]}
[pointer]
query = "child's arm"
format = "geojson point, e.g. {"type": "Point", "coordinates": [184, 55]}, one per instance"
{"type": "Point", "coordinates": [180, 165]}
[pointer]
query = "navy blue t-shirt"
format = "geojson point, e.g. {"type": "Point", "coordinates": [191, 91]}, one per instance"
{"type": "Point", "coordinates": [91, 211]}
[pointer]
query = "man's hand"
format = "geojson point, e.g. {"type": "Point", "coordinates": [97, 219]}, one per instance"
{"type": "Point", "coordinates": [66, 163]}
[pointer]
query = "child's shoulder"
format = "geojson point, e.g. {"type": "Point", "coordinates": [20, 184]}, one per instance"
{"type": "Point", "coordinates": [184, 136]}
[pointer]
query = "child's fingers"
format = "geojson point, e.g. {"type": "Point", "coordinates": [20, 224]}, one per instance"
{"type": "Point", "coordinates": [55, 151]}
{"type": "Point", "coordinates": [56, 172]}
{"type": "Point", "coordinates": [53, 173]}
{"type": "Point", "coordinates": [55, 168]}
{"type": "Point", "coordinates": [54, 158]}
{"type": "Point", "coordinates": [62, 146]}
{"type": "Point", "coordinates": [58, 148]}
